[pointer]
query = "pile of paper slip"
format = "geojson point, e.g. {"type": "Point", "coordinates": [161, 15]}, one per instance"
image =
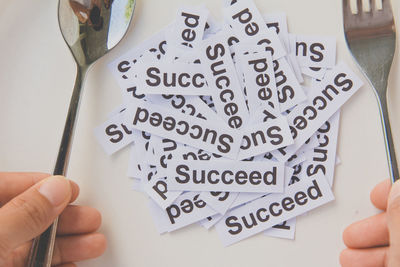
{"type": "Point", "coordinates": [223, 128]}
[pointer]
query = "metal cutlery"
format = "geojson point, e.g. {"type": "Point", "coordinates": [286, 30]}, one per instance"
{"type": "Point", "coordinates": [90, 31]}
{"type": "Point", "coordinates": [371, 38]}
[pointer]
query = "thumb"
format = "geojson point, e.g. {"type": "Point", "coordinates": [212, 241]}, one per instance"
{"type": "Point", "coordinates": [393, 216]}
{"type": "Point", "coordinates": [31, 213]}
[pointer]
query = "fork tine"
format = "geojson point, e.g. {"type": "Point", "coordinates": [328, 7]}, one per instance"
{"type": "Point", "coordinates": [387, 8]}
{"type": "Point", "coordinates": [372, 5]}
{"type": "Point", "coordinates": [346, 8]}
{"type": "Point", "coordinates": [359, 6]}
{"type": "Point", "coordinates": [386, 5]}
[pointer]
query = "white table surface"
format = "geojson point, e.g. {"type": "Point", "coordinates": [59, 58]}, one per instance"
{"type": "Point", "coordinates": [36, 77]}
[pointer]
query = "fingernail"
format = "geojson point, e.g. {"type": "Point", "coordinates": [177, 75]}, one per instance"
{"type": "Point", "coordinates": [55, 189]}
{"type": "Point", "coordinates": [394, 192]}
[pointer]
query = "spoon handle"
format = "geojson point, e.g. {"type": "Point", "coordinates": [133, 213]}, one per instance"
{"type": "Point", "coordinates": [41, 253]}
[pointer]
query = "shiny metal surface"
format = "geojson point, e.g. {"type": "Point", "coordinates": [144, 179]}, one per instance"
{"type": "Point", "coordinates": [371, 38]}
{"type": "Point", "coordinates": [90, 28]}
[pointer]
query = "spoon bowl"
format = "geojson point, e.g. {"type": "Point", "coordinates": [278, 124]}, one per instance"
{"type": "Point", "coordinates": [90, 29]}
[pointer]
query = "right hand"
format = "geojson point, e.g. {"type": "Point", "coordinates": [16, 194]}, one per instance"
{"type": "Point", "coordinates": [29, 203]}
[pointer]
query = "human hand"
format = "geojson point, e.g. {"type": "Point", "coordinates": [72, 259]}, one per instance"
{"type": "Point", "coordinates": [375, 241]}
{"type": "Point", "coordinates": [29, 203]}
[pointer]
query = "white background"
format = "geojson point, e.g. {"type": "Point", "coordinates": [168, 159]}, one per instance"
{"type": "Point", "coordinates": [36, 78]}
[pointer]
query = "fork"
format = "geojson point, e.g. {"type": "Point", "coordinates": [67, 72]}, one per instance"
{"type": "Point", "coordinates": [371, 38]}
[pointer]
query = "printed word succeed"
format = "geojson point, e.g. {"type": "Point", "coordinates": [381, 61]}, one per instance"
{"type": "Point", "coordinates": [225, 175]}
{"type": "Point", "coordinates": [186, 129]}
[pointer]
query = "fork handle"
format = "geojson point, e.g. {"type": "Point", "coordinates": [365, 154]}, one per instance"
{"type": "Point", "coordinates": [387, 133]}
{"type": "Point", "coordinates": [41, 253]}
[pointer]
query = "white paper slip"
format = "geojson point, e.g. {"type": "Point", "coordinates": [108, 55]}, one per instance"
{"type": "Point", "coordinates": [208, 101]}
{"type": "Point", "coordinates": [286, 230]}
{"type": "Point", "coordinates": [161, 77]}
{"type": "Point", "coordinates": [226, 176]}
{"type": "Point", "coordinates": [338, 161]}
{"type": "Point", "coordinates": [264, 157]}
{"type": "Point", "coordinates": [150, 173]}
{"type": "Point", "coordinates": [150, 157]}
{"type": "Point", "coordinates": [212, 26]}
{"type": "Point", "coordinates": [157, 189]}
{"type": "Point", "coordinates": [190, 105]}
{"type": "Point", "coordinates": [250, 27]}
{"type": "Point", "coordinates": [191, 57]}
{"type": "Point", "coordinates": [188, 208]}
{"type": "Point", "coordinates": [191, 153]}
{"type": "Point", "coordinates": [136, 185]}
{"type": "Point", "coordinates": [221, 77]}
{"type": "Point", "coordinates": [115, 111]}
{"type": "Point", "coordinates": [114, 135]}
{"type": "Point", "coordinates": [244, 198]}
{"type": "Point", "coordinates": [264, 114]}
{"type": "Point", "coordinates": [294, 64]}
{"type": "Point", "coordinates": [290, 92]}
{"type": "Point", "coordinates": [284, 154]}
{"type": "Point", "coordinates": [289, 171]}
{"type": "Point", "coordinates": [210, 221]}
{"type": "Point", "coordinates": [135, 164]}
{"type": "Point", "coordinates": [167, 150]}
{"type": "Point", "coordinates": [231, 39]}
{"type": "Point", "coordinates": [258, 70]}
{"type": "Point", "coordinates": [315, 51]}
{"type": "Point", "coordinates": [167, 123]}
{"type": "Point", "coordinates": [219, 201]}
{"type": "Point", "coordinates": [245, 19]}
{"type": "Point", "coordinates": [161, 222]}
{"type": "Point", "coordinates": [278, 23]}
{"type": "Point", "coordinates": [296, 159]}
{"type": "Point", "coordinates": [322, 159]}
{"type": "Point", "coordinates": [316, 73]}
{"type": "Point", "coordinates": [140, 148]}
{"type": "Point", "coordinates": [189, 27]}
{"type": "Point", "coordinates": [134, 70]}
{"type": "Point", "coordinates": [335, 89]}
{"type": "Point", "coordinates": [264, 137]}
{"type": "Point", "coordinates": [273, 209]}
{"type": "Point", "coordinates": [298, 174]}
{"type": "Point", "coordinates": [119, 67]}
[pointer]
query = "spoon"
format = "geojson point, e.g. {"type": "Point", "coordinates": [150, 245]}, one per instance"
{"type": "Point", "coordinates": [90, 28]}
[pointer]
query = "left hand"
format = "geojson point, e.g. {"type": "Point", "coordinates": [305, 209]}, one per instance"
{"type": "Point", "coordinates": [375, 241]}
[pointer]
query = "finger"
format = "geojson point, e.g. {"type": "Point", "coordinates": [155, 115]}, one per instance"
{"type": "Point", "coordinates": [30, 213]}
{"type": "Point", "coordinates": [19, 256]}
{"type": "Point", "coordinates": [13, 184]}
{"type": "Point", "coordinates": [78, 248]}
{"type": "Point", "coordinates": [393, 217]}
{"type": "Point", "coordinates": [67, 249]}
{"type": "Point", "coordinates": [78, 220]}
{"type": "Point", "coordinates": [370, 232]}
{"type": "Point", "coordinates": [371, 257]}
{"type": "Point", "coordinates": [380, 193]}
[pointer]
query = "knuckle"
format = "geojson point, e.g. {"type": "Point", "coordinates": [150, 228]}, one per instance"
{"type": "Point", "coordinates": [35, 212]}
